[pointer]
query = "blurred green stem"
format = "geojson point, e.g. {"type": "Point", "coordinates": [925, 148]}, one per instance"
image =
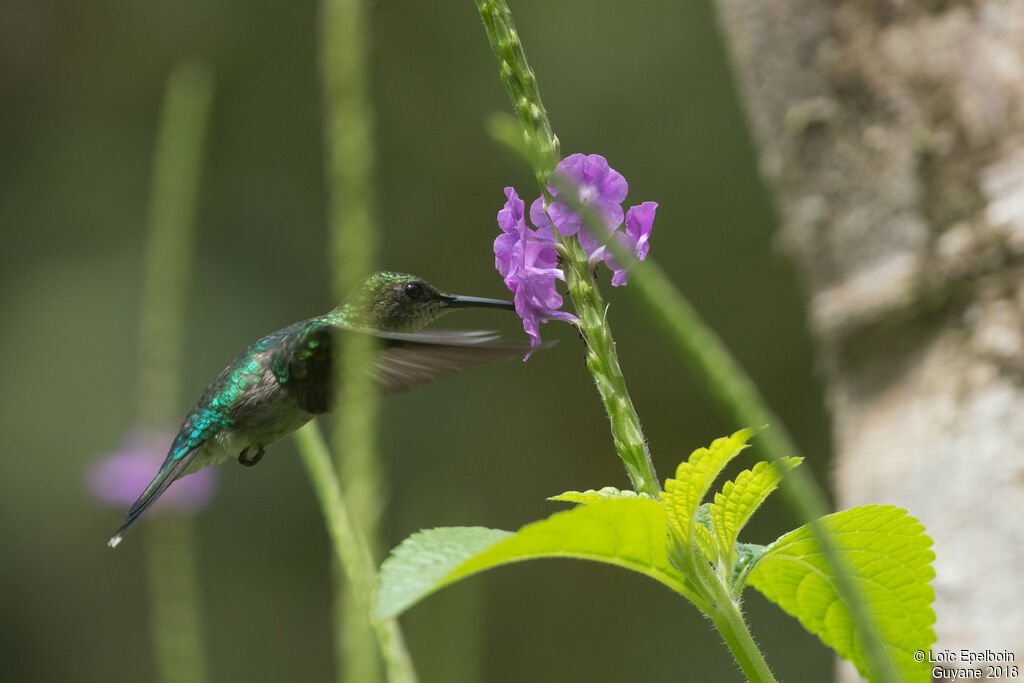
{"type": "Point", "coordinates": [351, 551]}
{"type": "Point", "coordinates": [704, 354]}
{"type": "Point", "coordinates": [174, 595]}
{"type": "Point", "coordinates": [349, 132]}
{"type": "Point", "coordinates": [177, 166]}
{"type": "Point", "coordinates": [353, 227]}
{"type": "Point", "coordinates": [174, 599]}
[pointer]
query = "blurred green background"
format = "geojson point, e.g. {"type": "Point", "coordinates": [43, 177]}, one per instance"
{"type": "Point", "coordinates": [645, 83]}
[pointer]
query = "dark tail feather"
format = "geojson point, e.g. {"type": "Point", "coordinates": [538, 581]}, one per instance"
{"type": "Point", "coordinates": [164, 478]}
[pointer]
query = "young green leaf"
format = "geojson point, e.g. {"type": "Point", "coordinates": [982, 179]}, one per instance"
{"type": "Point", "coordinates": [626, 532]}
{"type": "Point", "coordinates": [889, 557]}
{"type": "Point", "coordinates": [739, 499]}
{"type": "Point", "coordinates": [703, 532]}
{"type": "Point", "coordinates": [694, 477]}
{"type": "Point", "coordinates": [747, 557]}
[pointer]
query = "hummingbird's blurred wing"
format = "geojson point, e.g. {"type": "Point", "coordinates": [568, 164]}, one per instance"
{"type": "Point", "coordinates": [406, 360]}
{"type": "Point", "coordinates": [403, 359]}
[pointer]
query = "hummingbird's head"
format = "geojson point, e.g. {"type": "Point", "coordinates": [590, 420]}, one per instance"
{"type": "Point", "coordinates": [397, 302]}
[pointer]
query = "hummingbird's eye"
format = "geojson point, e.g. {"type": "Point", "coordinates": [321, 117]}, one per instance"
{"type": "Point", "coordinates": [414, 291]}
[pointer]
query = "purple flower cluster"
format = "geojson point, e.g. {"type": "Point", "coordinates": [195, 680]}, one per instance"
{"type": "Point", "coordinates": [527, 257]}
{"type": "Point", "coordinates": [121, 477]}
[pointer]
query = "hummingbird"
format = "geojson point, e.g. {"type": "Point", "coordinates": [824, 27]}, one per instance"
{"type": "Point", "coordinates": [285, 379]}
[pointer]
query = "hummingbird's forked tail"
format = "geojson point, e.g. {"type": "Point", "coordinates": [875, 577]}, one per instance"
{"type": "Point", "coordinates": [171, 470]}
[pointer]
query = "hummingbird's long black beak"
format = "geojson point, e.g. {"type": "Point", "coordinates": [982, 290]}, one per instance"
{"type": "Point", "coordinates": [457, 301]}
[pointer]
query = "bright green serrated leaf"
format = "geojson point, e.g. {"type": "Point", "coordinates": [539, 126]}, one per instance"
{"type": "Point", "coordinates": [706, 541]}
{"type": "Point", "coordinates": [740, 498]}
{"type": "Point", "coordinates": [626, 532]}
{"type": "Point", "coordinates": [889, 558]}
{"type": "Point", "coordinates": [592, 496]}
{"type": "Point", "coordinates": [418, 564]}
{"type": "Point", "coordinates": [693, 479]}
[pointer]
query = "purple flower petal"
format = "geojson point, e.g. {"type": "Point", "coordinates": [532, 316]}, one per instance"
{"type": "Point", "coordinates": [599, 187]}
{"type": "Point", "coordinates": [503, 245]}
{"type": "Point", "coordinates": [593, 177]}
{"type": "Point", "coordinates": [539, 217]}
{"type": "Point", "coordinates": [119, 479]}
{"type": "Point", "coordinates": [527, 261]}
{"type": "Point", "coordinates": [639, 222]}
{"type": "Point", "coordinates": [527, 258]}
{"type": "Point", "coordinates": [512, 224]}
{"type": "Point", "coordinates": [510, 218]}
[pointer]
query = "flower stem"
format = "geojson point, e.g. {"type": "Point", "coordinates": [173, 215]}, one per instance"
{"type": "Point", "coordinates": [603, 363]}
{"type": "Point", "coordinates": [543, 151]}
{"type": "Point", "coordinates": [729, 621]}
{"type": "Point", "coordinates": [521, 84]}
{"type": "Point", "coordinates": [351, 551]}
{"type": "Point", "coordinates": [173, 587]}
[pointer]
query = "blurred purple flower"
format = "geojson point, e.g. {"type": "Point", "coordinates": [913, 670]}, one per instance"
{"type": "Point", "coordinates": [121, 477]}
{"type": "Point", "coordinates": [639, 221]}
{"type": "Point", "coordinates": [527, 260]}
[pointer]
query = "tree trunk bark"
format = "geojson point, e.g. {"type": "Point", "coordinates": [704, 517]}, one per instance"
{"type": "Point", "coordinates": [892, 135]}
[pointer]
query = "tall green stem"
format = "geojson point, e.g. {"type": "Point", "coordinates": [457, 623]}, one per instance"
{"type": "Point", "coordinates": [351, 551]}
{"type": "Point", "coordinates": [173, 587]}
{"type": "Point", "coordinates": [353, 227]}
{"type": "Point", "coordinates": [349, 132]}
{"type": "Point", "coordinates": [177, 167]}
{"type": "Point", "coordinates": [521, 84]}
{"type": "Point", "coordinates": [174, 600]}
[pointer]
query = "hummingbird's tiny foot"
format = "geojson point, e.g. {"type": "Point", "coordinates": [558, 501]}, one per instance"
{"type": "Point", "coordinates": [244, 458]}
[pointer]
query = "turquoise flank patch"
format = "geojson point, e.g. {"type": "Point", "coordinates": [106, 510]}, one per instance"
{"type": "Point", "coordinates": [280, 369]}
